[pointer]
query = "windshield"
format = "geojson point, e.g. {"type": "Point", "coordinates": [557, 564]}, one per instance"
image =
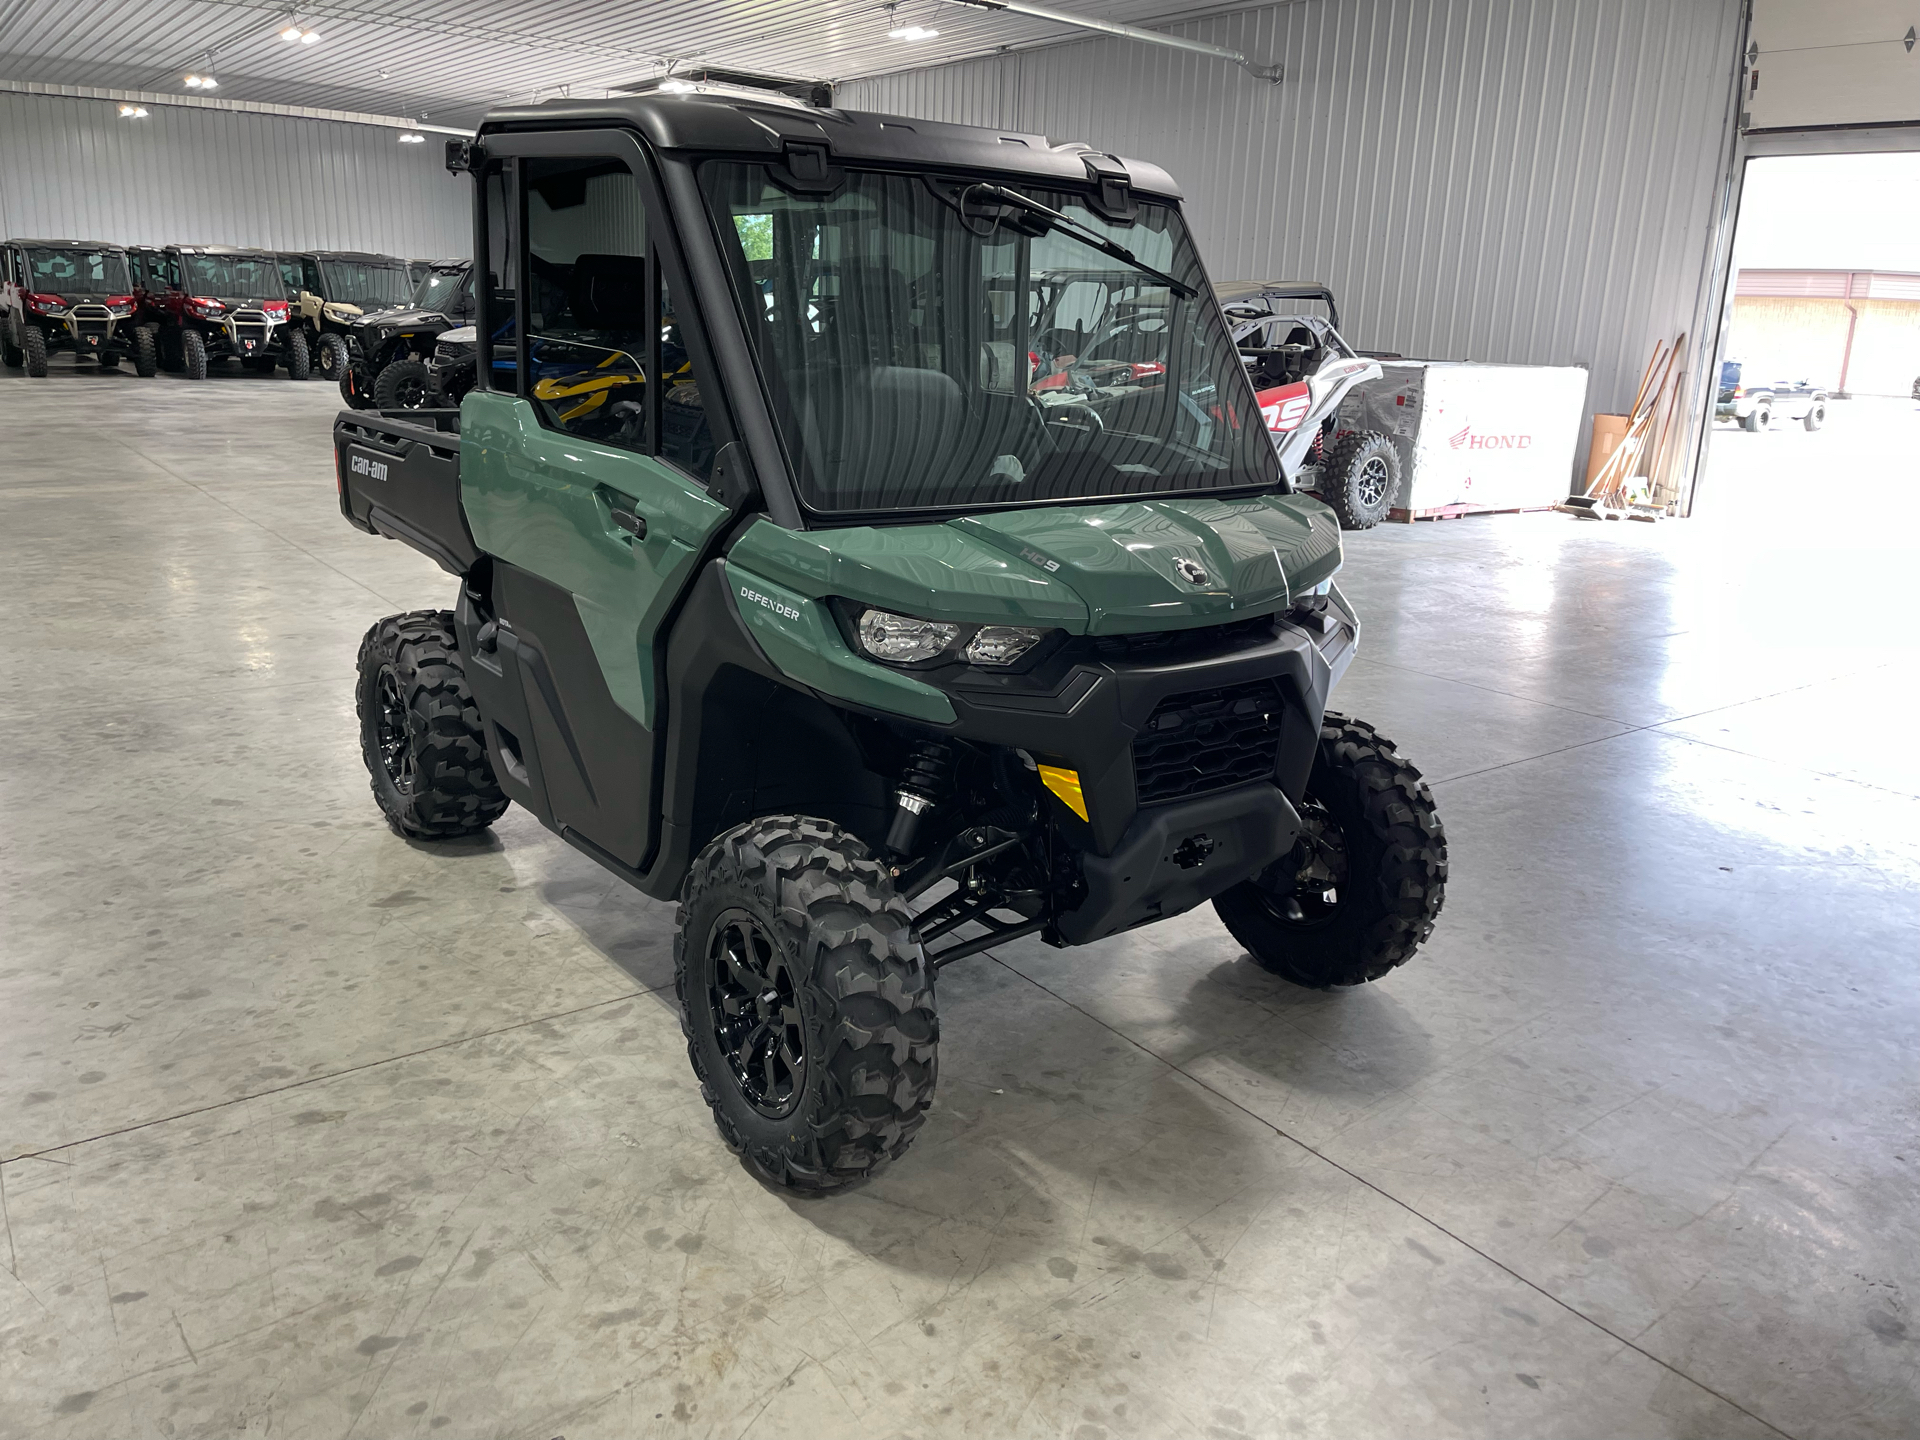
{"type": "Point", "coordinates": [438, 289]}
{"type": "Point", "coordinates": [370, 284]}
{"type": "Point", "coordinates": [247, 277]}
{"type": "Point", "coordinates": [922, 358]}
{"type": "Point", "coordinates": [84, 272]}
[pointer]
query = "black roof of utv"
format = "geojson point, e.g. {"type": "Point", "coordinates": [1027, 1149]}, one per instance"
{"type": "Point", "coordinates": [752, 125]}
{"type": "Point", "coordinates": [68, 244]}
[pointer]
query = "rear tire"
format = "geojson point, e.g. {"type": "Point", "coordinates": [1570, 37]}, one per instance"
{"type": "Point", "coordinates": [807, 1004]}
{"type": "Point", "coordinates": [420, 731]}
{"type": "Point", "coordinates": [299, 362]}
{"type": "Point", "coordinates": [1373, 841]}
{"type": "Point", "coordinates": [1756, 420]}
{"type": "Point", "coordinates": [403, 385]}
{"type": "Point", "coordinates": [356, 387]}
{"type": "Point", "coordinates": [33, 345]}
{"type": "Point", "coordinates": [146, 359]}
{"type": "Point", "coordinates": [193, 354]}
{"type": "Point", "coordinates": [333, 358]}
{"type": "Point", "coordinates": [1360, 478]}
{"type": "Point", "coordinates": [1816, 417]}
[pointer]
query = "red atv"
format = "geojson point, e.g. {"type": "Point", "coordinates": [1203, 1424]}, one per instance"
{"type": "Point", "coordinates": [215, 302]}
{"type": "Point", "coordinates": [1301, 370]}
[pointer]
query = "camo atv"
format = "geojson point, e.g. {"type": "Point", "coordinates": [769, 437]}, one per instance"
{"type": "Point", "coordinates": [793, 588]}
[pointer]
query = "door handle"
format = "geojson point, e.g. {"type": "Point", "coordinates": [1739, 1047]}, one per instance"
{"type": "Point", "coordinates": [634, 524]}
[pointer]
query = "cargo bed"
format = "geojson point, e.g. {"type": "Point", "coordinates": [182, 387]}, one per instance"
{"type": "Point", "coordinates": [399, 476]}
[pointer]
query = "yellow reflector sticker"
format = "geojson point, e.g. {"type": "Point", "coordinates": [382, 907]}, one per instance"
{"type": "Point", "coordinates": [1065, 784]}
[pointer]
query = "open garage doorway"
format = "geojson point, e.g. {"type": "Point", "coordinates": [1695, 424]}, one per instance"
{"type": "Point", "coordinates": [1818, 393]}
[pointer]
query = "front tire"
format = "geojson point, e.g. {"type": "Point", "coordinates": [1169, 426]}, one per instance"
{"type": "Point", "coordinates": [420, 732]}
{"type": "Point", "coordinates": [299, 362]}
{"type": "Point", "coordinates": [1815, 417]}
{"type": "Point", "coordinates": [1363, 885]}
{"type": "Point", "coordinates": [333, 357]}
{"type": "Point", "coordinates": [403, 385]}
{"type": "Point", "coordinates": [1360, 478]}
{"type": "Point", "coordinates": [146, 356]}
{"type": "Point", "coordinates": [33, 345]}
{"type": "Point", "coordinates": [807, 1004]}
{"type": "Point", "coordinates": [193, 354]}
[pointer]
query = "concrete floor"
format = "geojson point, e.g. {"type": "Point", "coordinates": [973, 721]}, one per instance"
{"type": "Point", "coordinates": [312, 1132]}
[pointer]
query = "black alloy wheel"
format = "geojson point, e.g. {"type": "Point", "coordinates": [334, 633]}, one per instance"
{"type": "Point", "coordinates": [390, 732]}
{"type": "Point", "coordinates": [754, 1004]}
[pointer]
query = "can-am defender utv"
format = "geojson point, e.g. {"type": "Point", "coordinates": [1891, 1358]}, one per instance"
{"type": "Point", "coordinates": [328, 290]}
{"type": "Point", "coordinates": [843, 635]}
{"type": "Point", "coordinates": [388, 352]}
{"type": "Point", "coordinates": [224, 303]}
{"type": "Point", "coordinates": [69, 295]}
{"type": "Point", "coordinates": [1301, 370]}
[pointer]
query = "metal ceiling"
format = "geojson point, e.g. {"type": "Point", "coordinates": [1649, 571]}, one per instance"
{"type": "Point", "coordinates": [448, 60]}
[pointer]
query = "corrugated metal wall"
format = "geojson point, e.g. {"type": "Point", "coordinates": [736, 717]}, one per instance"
{"type": "Point", "coordinates": [73, 167]}
{"type": "Point", "coordinates": [1511, 180]}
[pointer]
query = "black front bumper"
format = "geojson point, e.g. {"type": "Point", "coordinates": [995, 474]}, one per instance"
{"type": "Point", "coordinates": [1174, 857]}
{"type": "Point", "coordinates": [1085, 713]}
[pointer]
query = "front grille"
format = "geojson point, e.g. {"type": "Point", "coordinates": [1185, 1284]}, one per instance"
{"type": "Point", "coordinates": [1208, 740]}
{"type": "Point", "coordinates": [1167, 646]}
{"type": "Point", "coordinates": [91, 320]}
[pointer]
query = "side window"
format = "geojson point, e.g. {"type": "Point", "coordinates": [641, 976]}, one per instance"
{"type": "Point", "coordinates": [686, 437]}
{"type": "Point", "coordinates": [587, 309]}
{"type": "Point", "coordinates": [310, 276]}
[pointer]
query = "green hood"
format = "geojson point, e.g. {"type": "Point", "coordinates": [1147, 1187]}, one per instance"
{"type": "Point", "coordinates": [1089, 569]}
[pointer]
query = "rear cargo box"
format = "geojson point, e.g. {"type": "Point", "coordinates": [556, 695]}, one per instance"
{"type": "Point", "coordinates": [399, 475]}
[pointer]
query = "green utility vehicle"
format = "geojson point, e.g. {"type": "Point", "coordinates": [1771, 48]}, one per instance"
{"type": "Point", "coordinates": [789, 592]}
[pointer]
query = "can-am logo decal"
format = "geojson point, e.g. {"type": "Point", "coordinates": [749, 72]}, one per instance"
{"type": "Point", "coordinates": [1465, 439]}
{"type": "Point", "coordinates": [372, 469]}
{"type": "Point", "coordinates": [768, 603]}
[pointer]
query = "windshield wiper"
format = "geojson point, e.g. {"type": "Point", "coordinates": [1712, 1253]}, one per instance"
{"type": "Point", "coordinates": [1086, 234]}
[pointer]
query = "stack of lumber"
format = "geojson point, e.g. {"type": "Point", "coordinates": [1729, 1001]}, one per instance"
{"type": "Point", "coordinates": [1621, 489]}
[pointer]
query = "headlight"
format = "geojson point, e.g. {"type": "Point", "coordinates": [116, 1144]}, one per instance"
{"type": "Point", "coordinates": [901, 639]}
{"type": "Point", "coordinates": [1318, 592]}
{"type": "Point", "coordinates": [909, 640]}
{"type": "Point", "coordinates": [1002, 644]}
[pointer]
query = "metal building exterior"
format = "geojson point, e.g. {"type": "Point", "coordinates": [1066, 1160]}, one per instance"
{"type": "Point", "coordinates": [1488, 179]}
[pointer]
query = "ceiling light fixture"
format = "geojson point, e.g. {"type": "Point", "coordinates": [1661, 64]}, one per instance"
{"type": "Point", "coordinates": [678, 87]}
{"type": "Point", "coordinates": [133, 112]}
{"type": "Point", "coordinates": [897, 31]}
{"type": "Point", "coordinates": [309, 37]}
{"type": "Point", "coordinates": [292, 32]}
{"type": "Point", "coordinates": [412, 137]}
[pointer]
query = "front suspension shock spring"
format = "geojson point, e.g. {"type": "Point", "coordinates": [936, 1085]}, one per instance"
{"type": "Point", "coordinates": [925, 782]}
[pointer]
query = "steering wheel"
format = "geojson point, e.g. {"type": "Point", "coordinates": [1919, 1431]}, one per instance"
{"type": "Point", "coordinates": [1087, 419]}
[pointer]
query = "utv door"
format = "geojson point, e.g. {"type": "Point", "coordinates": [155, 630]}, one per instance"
{"type": "Point", "coordinates": [596, 512]}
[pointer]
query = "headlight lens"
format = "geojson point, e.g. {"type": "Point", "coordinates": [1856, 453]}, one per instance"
{"type": "Point", "coordinates": [901, 639]}
{"type": "Point", "coordinates": [1002, 644]}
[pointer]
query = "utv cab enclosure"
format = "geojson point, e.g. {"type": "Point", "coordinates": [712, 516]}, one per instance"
{"type": "Point", "coordinates": [328, 290]}
{"type": "Point", "coordinates": [389, 352]}
{"type": "Point", "coordinates": [788, 590]}
{"type": "Point", "coordinates": [68, 295]}
{"type": "Point", "coordinates": [222, 303]}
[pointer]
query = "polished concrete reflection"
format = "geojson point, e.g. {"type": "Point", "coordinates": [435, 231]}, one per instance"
{"type": "Point", "coordinates": [312, 1132]}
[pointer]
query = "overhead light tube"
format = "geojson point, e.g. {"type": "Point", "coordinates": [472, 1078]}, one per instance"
{"type": "Point", "coordinates": [1269, 73]}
